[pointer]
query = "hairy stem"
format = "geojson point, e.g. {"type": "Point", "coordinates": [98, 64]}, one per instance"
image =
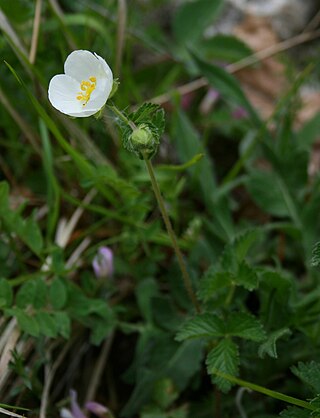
{"type": "Point", "coordinates": [164, 213]}
{"type": "Point", "coordinates": [273, 394]}
{"type": "Point", "coordinates": [172, 235]}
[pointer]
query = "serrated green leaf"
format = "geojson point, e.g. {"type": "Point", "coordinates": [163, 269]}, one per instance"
{"type": "Point", "coordinates": [243, 243]}
{"type": "Point", "coordinates": [315, 261]}
{"type": "Point", "coordinates": [228, 259]}
{"type": "Point", "coordinates": [58, 294]}
{"type": "Point", "coordinates": [245, 325]}
{"type": "Point", "coordinates": [48, 325]}
{"type": "Point", "coordinates": [224, 358]}
{"type": "Point", "coordinates": [269, 346]}
{"type": "Point", "coordinates": [26, 294]}
{"type": "Point", "coordinates": [246, 276]}
{"type": "Point", "coordinates": [309, 373]}
{"type": "Point", "coordinates": [294, 412]}
{"type": "Point", "coordinates": [202, 326]}
{"type": "Point", "coordinates": [192, 18]}
{"type": "Point", "coordinates": [6, 294]}
{"type": "Point", "coordinates": [214, 281]}
{"type": "Point", "coordinates": [150, 113]}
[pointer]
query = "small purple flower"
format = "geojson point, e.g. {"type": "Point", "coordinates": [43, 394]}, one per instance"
{"type": "Point", "coordinates": [240, 113]}
{"type": "Point", "coordinates": [97, 409]}
{"type": "Point", "coordinates": [75, 408]}
{"type": "Point", "coordinates": [103, 263]}
{"type": "Point", "coordinates": [209, 101]}
{"type": "Point", "coordinates": [76, 412]}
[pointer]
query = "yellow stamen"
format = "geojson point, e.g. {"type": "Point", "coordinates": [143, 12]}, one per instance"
{"type": "Point", "coordinates": [87, 88]}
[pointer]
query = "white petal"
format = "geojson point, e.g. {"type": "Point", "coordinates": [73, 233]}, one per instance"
{"type": "Point", "coordinates": [106, 68]}
{"type": "Point", "coordinates": [82, 64]}
{"type": "Point", "coordinates": [65, 413]}
{"type": "Point", "coordinates": [63, 91]}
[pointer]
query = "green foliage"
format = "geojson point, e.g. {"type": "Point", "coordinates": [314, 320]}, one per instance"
{"type": "Point", "coordinates": [309, 373]}
{"type": "Point", "coordinates": [6, 293]}
{"type": "Point", "coordinates": [243, 197]}
{"type": "Point", "coordinates": [269, 346]}
{"type": "Point", "coordinates": [26, 229]}
{"type": "Point", "coordinates": [228, 86]}
{"type": "Point", "coordinates": [224, 358]}
{"type": "Point", "coordinates": [192, 18]}
{"type": "Point", "coordinates": [316, 255]}
{"type": "Point", "coordinates": [233, 270]}
{"type": "Point", "coordinates": [224, 47]}
{"type": "Point", "coordinates": [205, 325]}
{"type": "Point", "coordinates": [238, 324]}
{"type": "Point", "coordinates": [149, 118]}
{"type": "Point", "coordinates": [294, 412]}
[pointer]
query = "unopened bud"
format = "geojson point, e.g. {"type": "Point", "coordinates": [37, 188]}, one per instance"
{"type": "Point", "coordinates": [103, 263]}
{"type": "Point", "coordinates": [141, 136]}
{"type": "Point", "coordinates": [143, 142]}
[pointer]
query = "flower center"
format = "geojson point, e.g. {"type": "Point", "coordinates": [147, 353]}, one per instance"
{"type": "Point", "coordinates": [87, 88]}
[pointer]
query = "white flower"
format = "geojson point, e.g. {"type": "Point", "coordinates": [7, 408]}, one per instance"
{"type": "Point", "coordinates": [84, 88]}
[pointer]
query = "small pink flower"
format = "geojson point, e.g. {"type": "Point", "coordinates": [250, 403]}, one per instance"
{"type": "Point", "coordinates": [96, 408]}
{"type": "Point", "coordinates": [240, 113]}
{"type": "Point", "coordinates": [103, 263]}
{"type": "Point", "coordinates": [76, 412]}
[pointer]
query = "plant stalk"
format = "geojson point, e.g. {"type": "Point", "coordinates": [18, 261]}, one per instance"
{"type": "Point", "coordinates": [172, 235]}
{"type": "Point", "coordinates": [165, 216]}
{"type": "Point", "coordinates": [273, 394]}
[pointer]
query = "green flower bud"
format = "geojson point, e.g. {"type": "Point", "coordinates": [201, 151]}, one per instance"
{"type": "Point", "coordinates": [143, 141]}
{"type": "Point", "coordinates": [141, 136]}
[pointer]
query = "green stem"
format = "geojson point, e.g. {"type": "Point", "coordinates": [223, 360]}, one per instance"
{"type": "Point", "coordinates": [265, 391]}
{"type": "Point", "coordinates": [166, 219]}
{"type": "Point", "coordinates": [122, 116]}
{"type": "Point", "coordinates": [172, 235]}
